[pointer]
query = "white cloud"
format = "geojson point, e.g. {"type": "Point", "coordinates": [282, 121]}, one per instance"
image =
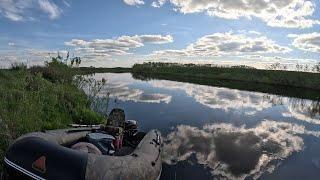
{"type": "Point", "coordinates": [7, 60]}
{"type": "Point", "coordinates": [155, 39]}
{"type": "Point", "coordinates": [50, 8]}
{"type": "Point", "coordinates": [158, 4]}
{"type": "Point", "coordinates": [11, 44]}
{"type": "Point", "coordinates": [30, 57]}
{"type": "Point", "coordinates": [170, 53]}
{"type": "Point", "coordinates": [118, 46]}
{"type": "Point", "coordinates": [134, 2]}
{"type": "Point", "coordinates": [225, 44]}
{"type": "Point", "coordinates": [255, 32]}
{"type": "Point", "coordinates": [21, 10]}
{"type": "Point", "coordinates": [307, 42]}
{"type": "Point", "coordinates": [276, 13]}
{"type": "Point", "coordinates": [76, 42]}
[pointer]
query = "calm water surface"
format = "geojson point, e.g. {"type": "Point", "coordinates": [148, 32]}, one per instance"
{"type": "Point", "coordinates": [220, 133]}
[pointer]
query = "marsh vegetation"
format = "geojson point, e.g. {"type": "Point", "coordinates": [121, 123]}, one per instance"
{"type": "Point", "coordinates": [43, 98]}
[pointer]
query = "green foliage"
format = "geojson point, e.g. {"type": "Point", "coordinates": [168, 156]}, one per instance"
{"type": "Point", "coordinates": [57, 71]}
{"type": "Point", "coordinates": [294, 84]}
{"type": "Point", "coordinates": [236, 73]}
{"type": "Point", "coordinates": [93, 70]}
{"type": "Point", "coordinates": [87, 116]}
{"type": "Point", "coordinates": [41, 98]}
{"type": "Point", "coordinates": [18, 66]}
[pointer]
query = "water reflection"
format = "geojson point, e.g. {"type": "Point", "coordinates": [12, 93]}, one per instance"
{"type": "Point", "coordinates": [300, 109]}
{"type": "Point", "coordinates": [235, 152]}
{"type": "Point", "coordinates": [222, 133]}
{"type": "Point", "coordinates": [219, 98]}
{"type": "Point", "coordinates": [122, 92]}
{"type": "Point", "coordinates": [248, 103]}
{"type": "Point", "coordinates": [118, 87]}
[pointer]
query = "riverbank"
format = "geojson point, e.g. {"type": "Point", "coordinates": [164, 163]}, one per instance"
{"type": "Point", "coordinates": [40, 98]}
{"type": "Point", "coordinates": [93, 70]}
{"type": "Point", "coordinates": [303, 85]}
{"type": "Point", "coordinates": [288, 83]}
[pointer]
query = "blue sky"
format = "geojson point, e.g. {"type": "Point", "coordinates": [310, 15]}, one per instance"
{"type": "Point", "coordinates": [123, 32]}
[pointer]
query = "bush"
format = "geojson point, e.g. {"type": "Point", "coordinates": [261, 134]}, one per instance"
{"type": "Point", "coordinates": [57, 72]}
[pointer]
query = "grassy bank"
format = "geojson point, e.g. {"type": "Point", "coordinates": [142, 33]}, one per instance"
{"type": "Point", "coordinates": [92, 70]}
{"type": "Point", "coordinates": [40, 98]}
{"type": "Point", "coordinates": [296, 84]}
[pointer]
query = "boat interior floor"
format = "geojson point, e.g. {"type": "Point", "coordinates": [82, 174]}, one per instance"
{"type": "Point", "coordinates": [126, 150]}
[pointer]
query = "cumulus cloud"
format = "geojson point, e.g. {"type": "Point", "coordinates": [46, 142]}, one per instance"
{"type": "Point", "coordinates": [306, 42]}
{"type": "Point", "coordinates": [236, 152]}
{"type": "Point", "coordinates": [118, 46]}
{"type": "Point", "coordinates": [155, 39]}
{"type": "Point", "coordinates": [284, 13]}
{"type": "Point", "coordinates": [226, 44]}
{"type": "Point", "coordinates": [20, 10]}
{"type": "Point", "coordinates": [134, 2]}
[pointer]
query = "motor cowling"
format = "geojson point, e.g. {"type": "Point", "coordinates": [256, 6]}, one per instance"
{"type": "Point", "coordinates": [131, 127]}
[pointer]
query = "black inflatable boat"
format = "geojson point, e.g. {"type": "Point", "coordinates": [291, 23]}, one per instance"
{"type": "Point", "coordinates": [88, 153]}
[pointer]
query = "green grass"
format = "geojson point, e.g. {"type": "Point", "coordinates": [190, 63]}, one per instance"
{"type": "Point", "coordinates": [40, 98]}
{"type": "Point", "coordinates": [290, 83]}
{"type": "Point", "coordinates": [92, 70]}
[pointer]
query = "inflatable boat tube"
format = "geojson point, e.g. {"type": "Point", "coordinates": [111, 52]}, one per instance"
{"type": "Point", "coordinates": [46, 155]}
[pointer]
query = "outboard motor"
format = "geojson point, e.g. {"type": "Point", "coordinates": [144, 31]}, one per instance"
{"type": "Point", "coordinates": [131, 127]}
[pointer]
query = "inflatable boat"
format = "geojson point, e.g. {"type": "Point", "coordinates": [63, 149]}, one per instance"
{"type": "Point", "coordinates": [112, 151]}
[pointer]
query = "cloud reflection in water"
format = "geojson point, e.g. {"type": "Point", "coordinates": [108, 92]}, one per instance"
{"type": "Point", "coordinates": [249, 103]}
{"type": "Point", "coordinates": [235, 152]}
{"type": "Point", "coordinates": [122, 92]}
{"type": "Point", "coordinates": [118, 86]}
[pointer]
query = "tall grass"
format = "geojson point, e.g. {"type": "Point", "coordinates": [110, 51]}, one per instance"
{"type": "Point", "coordinates": [41, 98]}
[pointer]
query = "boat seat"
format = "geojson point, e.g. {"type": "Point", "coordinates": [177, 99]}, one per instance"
{"type": "Point", "coordinates": [115, 122]}
{"type": "Point", "coordinates": [115, 126]}
{"type": "Point", "coordinates": [116, 118]}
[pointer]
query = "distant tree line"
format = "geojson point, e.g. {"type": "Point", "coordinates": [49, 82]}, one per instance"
{"type": "Point", "coordinates": [274, 66]}
{"type": "Point", "coordinates": [298, 67]}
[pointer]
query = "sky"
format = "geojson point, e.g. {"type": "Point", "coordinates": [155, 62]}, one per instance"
{"type": "Point", "coordinates": [115, 33]}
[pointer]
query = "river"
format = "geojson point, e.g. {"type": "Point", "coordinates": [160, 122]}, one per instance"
{"type": "Point", "coordinates": [220, 133]}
